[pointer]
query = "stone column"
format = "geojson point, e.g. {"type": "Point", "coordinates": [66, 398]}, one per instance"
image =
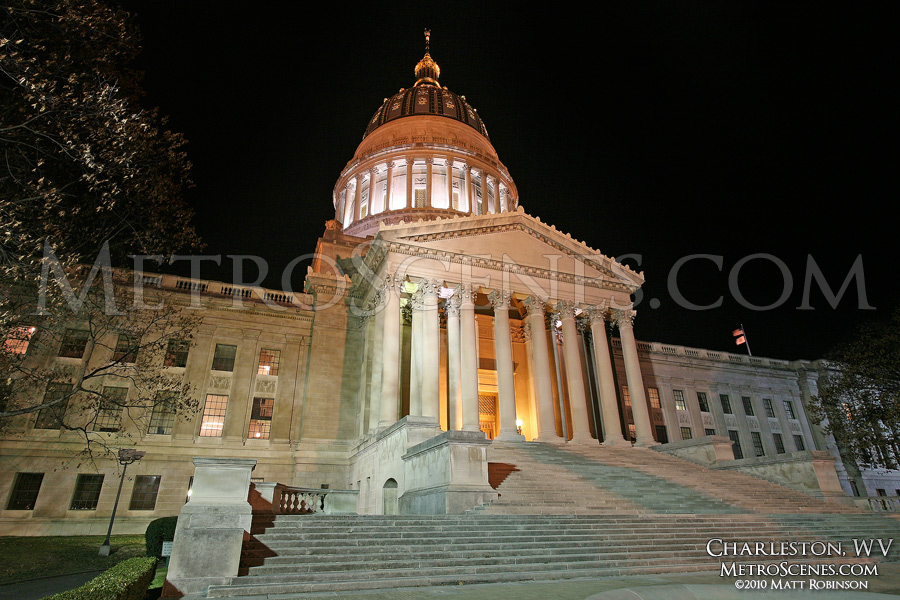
{"type": "Point", "coordinates": [390, 352]}
{"type": "Point", "coordinates": [240, 395]}
{"type": "Point", "coordinates": [609, 406]}
{"type": "Point", "coordinates": [373, 181]}
{"type": "Point", "coordinates": [454, 381]}
{"type": "Point", "coordinates": [506, 385]}
{"type": "Point", "coordinates": [377, 363]}
{"type": "Point", "coordinates": [288, 377]}
{"type": "Point", "coordinates": [197, 372]}
{"type": "Point", "coordinates": [206, 549]}
{"type": "Point", "coordinates": [644, 432]}
{"type": "Point", "coordinates": [450, 184]}
{"type": "Point", "coordinates": [430, 350]}
{"type": "Point", "coordinates": [540, 369]}
{"type": "Point", "coordinates": [581, 428]}
{"type": "Point", "coordinates": [468, 358]}
{"type": "Point", "coordinates": [410, 200]}
{"type": "Point", "coordinates": [389, 186]}
{"type": "Point", "coordinates": [415, 353]}
{"type": "Point", "coordinates": [470, 195]}
{"type": "Point", "coordinates": [429, 171]}
{"type": "Point", "coordinates": [357, 196]}
{"type": "Point", "coordinates": [497, 200]}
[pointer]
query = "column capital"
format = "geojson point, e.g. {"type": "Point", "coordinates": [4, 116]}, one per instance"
{"type": "Point", "coordinates": [452, 305]}
{"type": "Point", "coordinates": [534, 304]}
{"type": "Point", "coordinates": [391, 281]}
{"type": "Point", "coordinates": [429, 288]}
{"type": "Point", "coordinates": [598, 312]}
{"type": "Point", "coordinates": [624, 318]}
{"type": "Point", "coordinates": [374, 170]}
{"type": "Point", "coordinates": [391, 164]}
{"type": "Point", "coordinates": [468, 293]}
{"type": "Point", "coordinates": [500, 299]}
{"type": "Point", "coordinates": [565, 308]}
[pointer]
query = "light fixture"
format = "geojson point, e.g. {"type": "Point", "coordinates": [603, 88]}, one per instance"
{"type": "Point", "coordinates": [126, 456]}
{"type": "Point", "coordinates": [519, 426]}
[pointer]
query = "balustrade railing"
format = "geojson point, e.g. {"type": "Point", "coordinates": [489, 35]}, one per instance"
{"type": "Point", "coordinates": [881, 503]}
{"type": "Point", "coordinates": [288, 500]}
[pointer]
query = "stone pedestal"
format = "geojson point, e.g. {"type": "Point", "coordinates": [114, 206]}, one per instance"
{"type": "Point", "coordinates": [211, 526]}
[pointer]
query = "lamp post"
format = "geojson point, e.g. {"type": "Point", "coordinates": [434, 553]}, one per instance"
{"type": "Point", "coordinates": [126, 457]}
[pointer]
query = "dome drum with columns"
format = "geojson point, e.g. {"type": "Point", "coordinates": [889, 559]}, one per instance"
{"type": "Point", "coordinates": [425, 155]}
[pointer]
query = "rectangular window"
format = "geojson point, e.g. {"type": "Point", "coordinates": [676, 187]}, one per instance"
{"type": "Point", "coordinates": [798, 441]}
{"type": "Point", "coordinates": [626, 395]}
{"type": "Point", "coordinates": [779, 443]}
{"type": "Point", "coordinates": [736, 446]}
{"type": "Point", "coordinates": [702, 401]}
{"type": "Point", "coordinates": [770, 410]}
{"type": "Point", "coordinates": [143, 496]}
{"type": "Point", "coordinates": [632, 432]}
{"type": "Point", "coordinates": [726, 404]}
{"type": "Point", "coordinates": [109, 416]}
{"type": "Point", "coordinates": [213, 416]}
{"type": "Point", "coordinates": [126, 348]}
{"type": "Point", "coordinates": [87, 492]}
{"type": "Point", "coordinates": [17, 339]}
{"type": "Point", "coordinates": [268, 362]}
{"type": "Point", "coordinates": [686, 433]}
{"type": "Point", "coordinates": [223, 359]}
{"type": "Point", "coordinates": [177, 353]}
{"type": "Point", "coordinates": [662, 436]}
{"type": "Point", "coordinates": [261, 418]}
{"type": "Point", "coordinates": [709, 431]}
{"type": "Point", "coordinates": [73, 343]}
{"type": "Point", "coordinates": [757, 443]}
{"type": "Point", "coordinates": [748, 405]}
{"type": "Point", "coordinates": [653, 394]}
{"type": "Point", "coordinates": [679, 400]}
{"type": "Point", "coordinates": [789, 409]}
{"type": "Point", "coordinates": [51, 417]}
{"type": "Point", "coordinates": [163, 416]}
{"type": "Point", "coordinates": [25, 491]}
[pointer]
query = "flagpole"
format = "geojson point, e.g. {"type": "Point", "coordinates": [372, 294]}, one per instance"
{"type": "Point", "coordinates": [746, 340]}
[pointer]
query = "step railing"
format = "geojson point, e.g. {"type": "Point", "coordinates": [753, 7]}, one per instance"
{"type": "Point", "coordinates": [879, 503]}
{"type": "Point", "coordinates": [287, 500]}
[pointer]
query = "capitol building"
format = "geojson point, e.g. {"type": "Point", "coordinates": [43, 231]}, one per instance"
{"type": "Point", "coordinates": [444, 335]}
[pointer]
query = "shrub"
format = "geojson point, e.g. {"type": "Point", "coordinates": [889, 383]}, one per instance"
{"type": "Point", "coordinates": [159, 531]}
{"type": "Point", "coordinates": [128, 580]}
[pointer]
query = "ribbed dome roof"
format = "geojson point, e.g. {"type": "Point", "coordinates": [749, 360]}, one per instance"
{"type": "Point", "coordinates": [426, 97]}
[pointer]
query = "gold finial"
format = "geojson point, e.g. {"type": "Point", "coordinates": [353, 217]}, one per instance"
{"type": "Point", "coordinates": [427, 71]}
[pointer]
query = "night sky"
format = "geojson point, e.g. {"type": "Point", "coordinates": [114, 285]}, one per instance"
{"type": "Point", "coordinates": [658, 130]}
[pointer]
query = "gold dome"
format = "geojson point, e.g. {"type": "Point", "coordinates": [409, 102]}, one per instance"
{"type": "Point", "coordinates": [427, 71]}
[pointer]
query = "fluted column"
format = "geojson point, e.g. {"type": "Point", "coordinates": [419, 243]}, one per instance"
{"type": "Point", "coordinates": [390, 353]}
{"type": "Point", "coordinates": [540, 368]}
{"type": "Point", "coordinates": [468, 358]}
{"type": "Point", "coordinates": [415, 353]}
{"type": "Point", "coordinates": [429, 171]}
{"type": "Point", "coordinates": [410, 200]}
{"type": "Point", "coordinates": [377, 363]}
{"type": "Point", "coordinates": [389, 183]}
{"type": "Point", "coordinates": [506, 384]}
{"type": "Point", "coordinates": [609, 406]}
{"type": "Point", "coordinates": [431, 346]}
{"type": "Point", "coordinates": [581, 424]}
{"type": "Point", "coordinates": [454, 382]}
{"type": "Point", "coordinates": [625, 322]}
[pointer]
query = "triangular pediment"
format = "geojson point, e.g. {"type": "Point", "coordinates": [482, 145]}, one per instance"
{"type": "Point", "coordinates": [517, 241]}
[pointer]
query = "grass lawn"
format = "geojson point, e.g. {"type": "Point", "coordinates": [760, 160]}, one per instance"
{"type": "Point", "coordinates": [31, 557]}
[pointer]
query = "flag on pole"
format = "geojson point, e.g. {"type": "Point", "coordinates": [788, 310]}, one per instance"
{"type": "Point", "coordinates": [737, 332]}
{"type": "Point", "coordinates": [740, 340]}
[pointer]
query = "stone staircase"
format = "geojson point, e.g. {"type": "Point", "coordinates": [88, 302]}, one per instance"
{"type": "Point", "coordinates": [563, 512]}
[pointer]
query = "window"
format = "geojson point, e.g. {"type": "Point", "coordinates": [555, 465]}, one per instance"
{"type": "Point", "coordinates": [798, 441]}
{"type": "Point", "coordinates": [163, 416]}
{"type": "Point", "coordinates": [109, 417]}
{"type": "Point", "coordinates": [679, 400]}
{"type": "Point", "coordinates": [770, 410]}
{"type": "Point", "coordinates": [702, 401]}
{"type": "Point", "coordinates": [736, 446]}
{"type": "Point", "coordinates": [748, 405]}
{"type": "Point", "coordinates": [632, 432]}
{"type": "Point", "coordinates": [223, 360]}
{"type": "Point", "coordinates": [626, 395]}
{"type": "Point", "coordinates": [709, 431]}
{"type": "Point", "coordinates": [261, 418]}
{"type": "Point", "coordinates": [757, 443]}
{"type": "Point", "coordinates": [686, 433]}
{"type": "Point", "coordinates": [779, 443]}
{"type": "Point", "coordinates": [662, 436]}
{"type": "Point", "coordinates": [177, 353]}
{"type": "Point", "coordinates": [143, 496]}
{"type": "Point", "coordinates": [17, 339]}
{"type": "Point", "coordinates": [213, 416]}
{"type": "Point", "coordinates": [126, 348]}
{"type": "Point", "coordinates": [87, 492]}
{"type": "Point", "coordinates": [653, 394]}
{"type": "Point", "coordinates": [50, 417]}
{"type": "Point", "coordinates": [25, 491]}
{"type": "Point", "coordinates": [73, 344]}
{"type": "Point", "coordinates": [726, 404]}
{"type": "Point", "coordinates": [268, 362]}
{"type": "Point", "coordinates": [789, 409]}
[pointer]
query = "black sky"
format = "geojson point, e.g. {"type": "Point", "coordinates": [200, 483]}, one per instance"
{"type": "Point", "coordinates": [656, 129]}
